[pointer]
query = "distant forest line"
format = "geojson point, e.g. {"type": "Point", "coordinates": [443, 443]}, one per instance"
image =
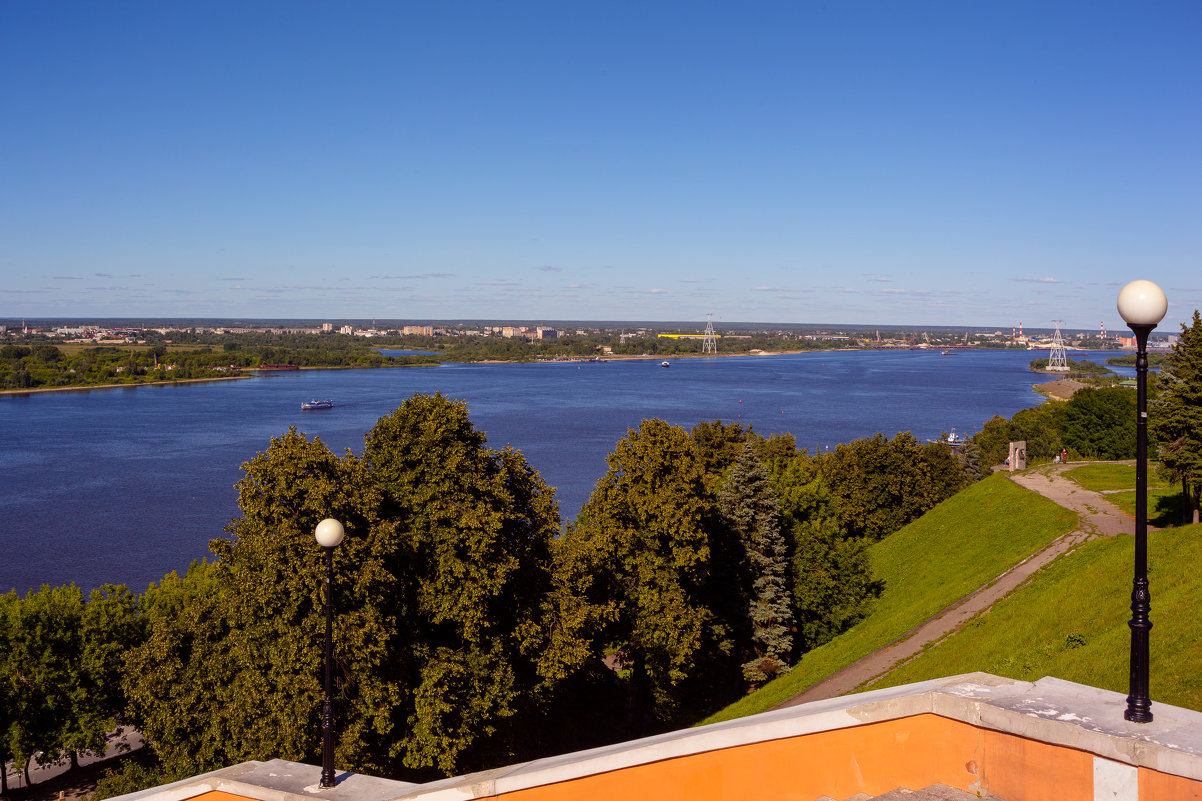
{"type": "Point", "coordinates": [42, 361]}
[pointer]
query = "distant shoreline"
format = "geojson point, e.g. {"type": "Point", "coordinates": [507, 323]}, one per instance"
{"type": "Point", "coordinates": [250, 372]}
{"type": "Point", "coordinates": [83, 387]}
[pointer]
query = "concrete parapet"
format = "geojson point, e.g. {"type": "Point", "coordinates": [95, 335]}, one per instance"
{"type": "Point", "coordinates": [1020, 741]}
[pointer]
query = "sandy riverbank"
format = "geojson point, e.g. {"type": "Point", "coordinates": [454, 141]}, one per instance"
{"type": "Point", "coordinates": [33, 390]}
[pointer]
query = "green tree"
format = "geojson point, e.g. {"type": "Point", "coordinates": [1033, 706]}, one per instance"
{"type": "Point", "coordinates": [751, 513]}
{"type": "Point", "coordinates": [1099, 423]}
{"type": "Point", "coordinates": [46, 353]}
{"type": "Point", "coordinates": [718, 446]}
{"type": "Point", "coordinates": [639, 557]}
{"type": "Point", "coordinates": [109, 627]}
{"type": "Point", "coordinates": [1036, 426]}
{"type": "Point", "coordinates": [969, 456]}
{"type": "Point", "coordinates": [477, 527]}
{"type": "Point", "coordinates": [9, 722]}
{"type": "Point", "coordinates": [832, 580]}
{"type": "Point", "coordinates": [175, 681]}
{"type": "Point", "coordinates": [881, 484]}
{"type": "Point", "coordinates": [60, 670]}
{"type": "Point", "coordinates": [42, 646]}
{"type": "Point", "coordinates": [1176, 415]}
{"type": "Point", "coordinates": [440, 591]}
{"type": "Point", "coordinates": [231, 668]}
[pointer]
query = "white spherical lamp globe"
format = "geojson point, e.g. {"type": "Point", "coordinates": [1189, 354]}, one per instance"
{"type": "Point", "coordinates": [329, 533]}
{"type": "Point", "coordinates": [1142, 303]}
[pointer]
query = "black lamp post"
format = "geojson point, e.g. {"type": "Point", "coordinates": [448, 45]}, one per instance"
{"type": "Point", "coordinates": [1142, 305]}
{"type": "Point", "coordinates": [329, 533]}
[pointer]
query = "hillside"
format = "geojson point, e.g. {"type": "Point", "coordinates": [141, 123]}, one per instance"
{"type": "Point", "coordinates": [1070, 621]}
{"type": "Point", "coordinates": [956, 548]}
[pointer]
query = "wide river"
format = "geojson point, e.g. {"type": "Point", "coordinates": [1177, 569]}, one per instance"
{"type": "Point", "coordinates": [125, 485]}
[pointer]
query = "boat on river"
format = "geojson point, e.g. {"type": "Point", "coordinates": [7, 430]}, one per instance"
{"type": "Point", "coordinates": [953, 439]}
{"type": "Point", "coordinates": [317, 404]}
{"type": "Point", "coordinates": [665, 364]}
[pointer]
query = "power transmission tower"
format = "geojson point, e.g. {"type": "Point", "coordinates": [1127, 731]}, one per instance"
{"type": "Point", "coordinates": [1058, 359]}
{"type": "Point", "coordinates": [710, 343]}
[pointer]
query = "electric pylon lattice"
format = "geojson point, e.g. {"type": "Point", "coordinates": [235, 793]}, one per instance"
{"type": "Point", "coordinates": [710, 343]}
{"type": "Point", "coordinates": [1058, 359]}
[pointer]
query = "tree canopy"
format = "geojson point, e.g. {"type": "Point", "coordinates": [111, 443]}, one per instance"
{"type": "Point", "coordinates": [881, 484]}
{"type": "Point", "coordinates": [439, 590]}
{"type": "Point", "coordinates": [471, 631]}
{"type": "Point", "coordinates": [640, 554]}
{"type": "Point", "coordinates": [1176, 413]}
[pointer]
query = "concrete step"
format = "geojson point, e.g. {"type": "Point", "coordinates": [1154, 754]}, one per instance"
{"type": "Point", "coordinates": [936, 792]}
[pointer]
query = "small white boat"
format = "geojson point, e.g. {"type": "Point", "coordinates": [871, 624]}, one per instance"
{"type": "Point", "coordinates": [317, 404]}
{"type": "Point", "coordinates": [664, 364]}
{"type": "Point", "coordinates": [954, 439]}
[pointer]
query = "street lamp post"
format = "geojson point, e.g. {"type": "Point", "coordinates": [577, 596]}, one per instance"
{"type": "Point", "coordinates": [1142, 305]}
{"type": "Point", "coordinates": [329, 533]}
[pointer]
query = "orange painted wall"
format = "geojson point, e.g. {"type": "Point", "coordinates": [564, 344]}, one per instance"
{"type": "Point", "coordinates": [217, 795]}
{"type": "Point", "coordinates": [1018, 769]}
{"type": "Point", "coordinates": [1164, 787]}
{"type": "Point", "coordinates": [875, 758]}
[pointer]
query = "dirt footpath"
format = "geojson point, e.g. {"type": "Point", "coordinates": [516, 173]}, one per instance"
{"type": "Point", "coordinates": [1097, 518]}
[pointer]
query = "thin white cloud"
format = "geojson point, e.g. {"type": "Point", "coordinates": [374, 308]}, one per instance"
{"type": "Point", "coordinates": [498, 282]}
{"type": "Point", "coordinates": [547, 268]}
{"type": "Point", "coordinates": [415, 277]}
{"type": "Point", "coordinates": [1039, 280]}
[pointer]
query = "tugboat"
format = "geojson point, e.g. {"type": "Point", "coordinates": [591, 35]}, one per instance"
{"type": "Point", "coordinates": [317, 404]}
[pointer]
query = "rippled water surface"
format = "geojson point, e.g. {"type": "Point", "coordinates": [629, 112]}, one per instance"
{"type": "Point", "coordinates": [125, 485]}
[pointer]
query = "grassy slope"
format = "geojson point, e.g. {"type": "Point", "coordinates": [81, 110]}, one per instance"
{"type": "Point", "coordinates": [1070, 621]}
{"type": "Point", "coordinates": [1103, 477]}
{"type": "Point", "coordinates": [951, 551]}
{"type": "Point", "coordinates": [1164, 503]}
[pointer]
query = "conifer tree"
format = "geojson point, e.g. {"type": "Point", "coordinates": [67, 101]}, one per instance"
{"type": "Point", "coordinates": [750, 512]}
{"type": "Point", "coordinates": [1176, 414]}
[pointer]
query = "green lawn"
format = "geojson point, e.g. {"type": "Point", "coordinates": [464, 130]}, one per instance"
{"type": "Point", "coordinates": [954, 549]}
{"type": "Point", "coordinates": [1164, 505]}
{"type": "Point", "coordinates": [1070, 621]}
{"type": "Point", "coordinates": [1103, 477]}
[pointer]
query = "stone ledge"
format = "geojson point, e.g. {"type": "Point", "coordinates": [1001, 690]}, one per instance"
{"type": "Point", "coordinates": [1049, 710]}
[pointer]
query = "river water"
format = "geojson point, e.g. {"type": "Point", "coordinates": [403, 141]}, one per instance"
{"type": "Point", "coordinates": [124, 485]}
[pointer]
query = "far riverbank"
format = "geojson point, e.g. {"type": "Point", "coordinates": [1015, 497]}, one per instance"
{"type": "Point", "coordinates": [83, 387]}
{"type": "Point", "coordinates": [130, 488]}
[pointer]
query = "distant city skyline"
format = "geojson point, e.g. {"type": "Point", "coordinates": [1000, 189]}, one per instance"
{"type": "Point", "coordinates": [926, 163]}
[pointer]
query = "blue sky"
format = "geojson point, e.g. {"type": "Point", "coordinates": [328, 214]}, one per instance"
{"type": "Point", "coordinates": [941, 163]}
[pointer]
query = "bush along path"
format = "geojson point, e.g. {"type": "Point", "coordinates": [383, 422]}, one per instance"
{"type": "Point", "coordinates": [1097, 517]}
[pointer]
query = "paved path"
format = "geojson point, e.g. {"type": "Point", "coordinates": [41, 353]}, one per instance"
{"type": "Point", "coordinates": [1097, 517]}
{"type": "Point", "coordinates": [42, 785]}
